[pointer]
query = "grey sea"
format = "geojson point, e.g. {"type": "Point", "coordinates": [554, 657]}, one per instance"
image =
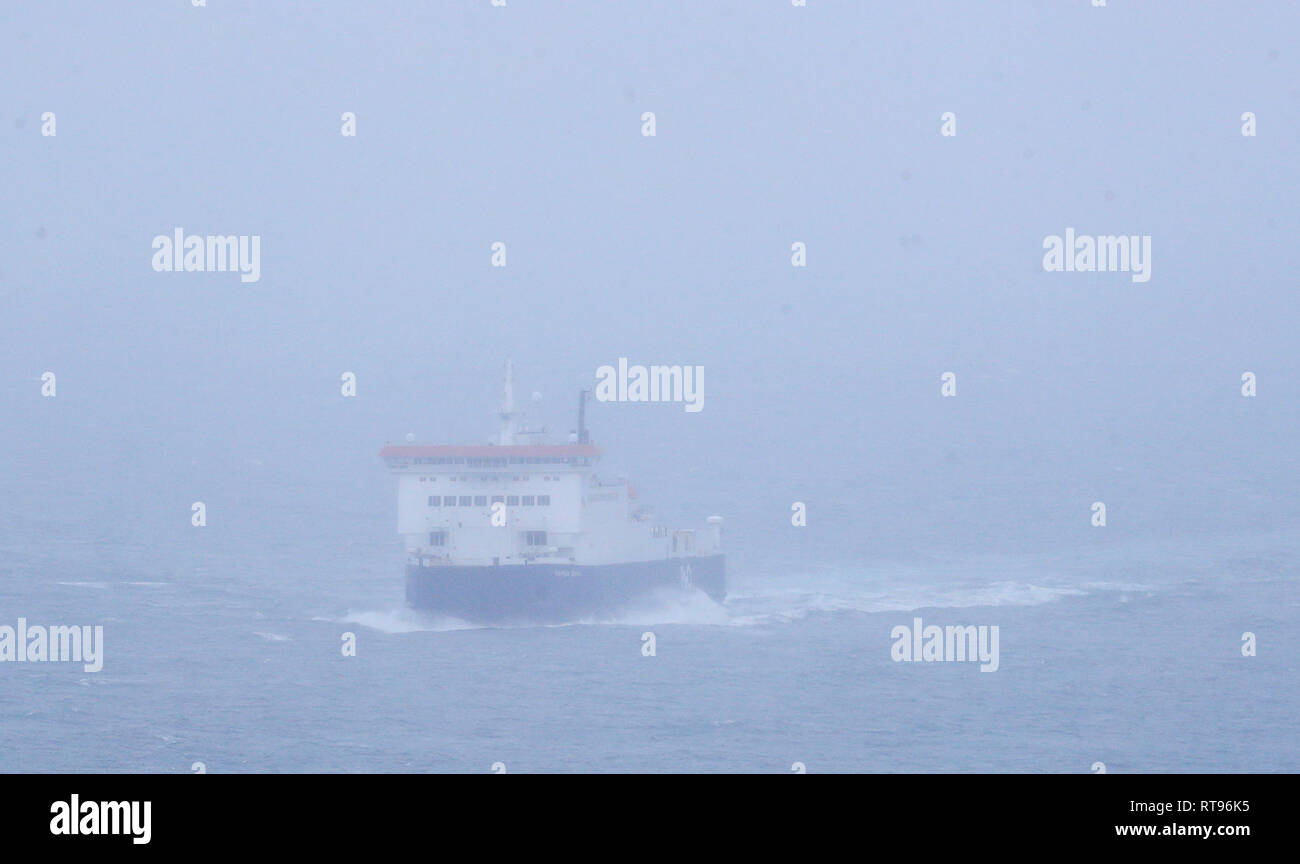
{"type": "Point", "coordinates": [848, 215]}
{"type": "Point", "coordinates": [222, 644]}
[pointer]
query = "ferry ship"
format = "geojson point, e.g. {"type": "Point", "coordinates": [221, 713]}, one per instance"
{"type": "Point", "coordinates": [528, 530]}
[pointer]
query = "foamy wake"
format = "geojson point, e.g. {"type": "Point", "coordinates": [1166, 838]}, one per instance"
{"type": "Point", "coordinates": [760, 607]}
{"type": "Point", "coordinates": [101, 586]}
{"type": "Point", "coordinates": [404, 619]}
{"type": "Point", "coordinates": [750, 605]}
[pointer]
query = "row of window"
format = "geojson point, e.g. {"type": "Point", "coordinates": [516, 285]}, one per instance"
{"type": "Point", "coordinates": [531, 538]}
{"type": "Point", "coordinates": [464, 478]}
{"type": "Point", "coordinates": [482, 500]}
{"type": "Point", "coordinates": [513, 460]}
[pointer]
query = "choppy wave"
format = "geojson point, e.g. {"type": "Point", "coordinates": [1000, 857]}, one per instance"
{"type": "Point", "coordinates": [404, 619]}
{"type": "Point", "coordinates": [770, 603]}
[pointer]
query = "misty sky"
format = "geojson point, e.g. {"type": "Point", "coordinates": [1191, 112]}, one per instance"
{"type": "Point", "coordinates": [774, 124]}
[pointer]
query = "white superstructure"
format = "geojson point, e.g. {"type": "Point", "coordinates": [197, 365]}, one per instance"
{"type": "Point", "coordinates": [522, 501]}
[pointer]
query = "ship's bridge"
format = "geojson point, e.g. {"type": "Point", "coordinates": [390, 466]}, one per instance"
{"type": "Point", "coordinates": [452, 458]}
{"type": "Point", "coordinates": [519, 500]}
{"type": "Point", "coordinates": [454, 501]}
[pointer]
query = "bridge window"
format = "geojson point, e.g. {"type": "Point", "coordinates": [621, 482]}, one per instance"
{"type": "Point", "coordinates": [467, 500]}
{"type": "Point", "coordinates": [529, 500]}
{"type": "Point", "coordinates": [535, 538]}
{"type": "Point", "coordinates": [480, 500]}
{"type": "Point", "coordinates": [437, 538]}
{"type": "Point", "coordinates": [543, 500]}
{"type": "Point", "coordinates": [435, 501]}
{"type": "Point", "coordinates": [512, 500]}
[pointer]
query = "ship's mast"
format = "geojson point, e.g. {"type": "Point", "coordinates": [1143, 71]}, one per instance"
{"type": "Point", "coordinates": [509, 416]}
{"type": "Point", "coordinates": [582, 416]}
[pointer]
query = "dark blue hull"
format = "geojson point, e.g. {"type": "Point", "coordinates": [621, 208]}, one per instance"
{"type": "Point", "coordinates": [553, 593]}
